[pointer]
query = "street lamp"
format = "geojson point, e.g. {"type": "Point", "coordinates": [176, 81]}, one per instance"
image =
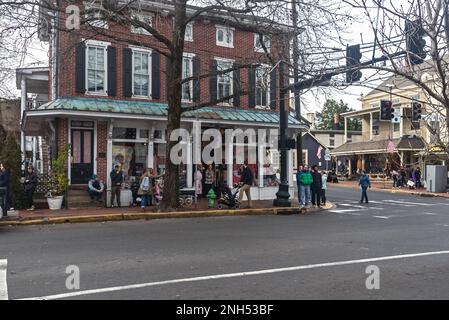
{"type": "Point", "coordinates": [282, 196]}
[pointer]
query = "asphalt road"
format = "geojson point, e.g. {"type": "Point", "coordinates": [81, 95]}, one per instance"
{"type": "Point", "coordinates": [207, 257]}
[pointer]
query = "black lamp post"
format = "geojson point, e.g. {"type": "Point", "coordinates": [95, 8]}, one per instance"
{"type": "Point", "coordinates": [282, 196]}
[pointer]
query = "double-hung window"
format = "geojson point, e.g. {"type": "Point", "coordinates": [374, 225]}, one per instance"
{"type": "Point", "coordinates": [187, 72]}
{"type": "Point", "coordinates": [258, 43]}
{"type": "Point", "coordinates": [225, 36]}
{"type": "Point", "coordinates": [224, 81]}
{"type": "Point", "coordinates": [147, 20]}
{"type": "Point", "coordinates": [262, 87]}
{"type": "Point", "coordinates": [96, 68]}
{"type": "Point", "coordinates": [141, 73]}
{"type": "Point", "coordinates": [188, 36]}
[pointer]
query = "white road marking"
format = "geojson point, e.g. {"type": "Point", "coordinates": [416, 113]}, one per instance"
{"type": "Point", "coordinates": [235, 275]}
{"type": "Point", "coordinates": [346, 211]}
{"type": "Point", "coordinates": [3, 284]}
{"type": "Point", "coordinates": [384, 217]}
{"type": "Point", "coordinates": [430, 213]}
{"type": "Point", "coordinates": [410, 203]}
{"type": "Point", "coordinates": [352, 205]}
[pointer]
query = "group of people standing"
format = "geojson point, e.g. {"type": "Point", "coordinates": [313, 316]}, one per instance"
{"type": "Point", "coordinates": [312, 187]}
{"type": "Point", "coordinates": [29, 181]}
{"type": "Point", "coordinates": [402, 177]}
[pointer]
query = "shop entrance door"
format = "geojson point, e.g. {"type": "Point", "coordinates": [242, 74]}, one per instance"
{"type": "Point", "coordinates": [82, 166]}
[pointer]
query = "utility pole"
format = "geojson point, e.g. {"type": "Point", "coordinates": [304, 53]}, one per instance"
{"type": "Point", "coordinates": [297, 97]}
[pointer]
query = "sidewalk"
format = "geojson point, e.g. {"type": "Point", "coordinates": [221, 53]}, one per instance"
{"type": "Point", "coordinates": [263, 207]}
{"type": "Point", "coordinates": [387, 187]}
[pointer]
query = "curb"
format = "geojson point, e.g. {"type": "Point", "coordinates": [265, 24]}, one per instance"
{"type": "Point", "coordinates": [420, 194]}
{"type": "Point", "coordinates": [154, 215]}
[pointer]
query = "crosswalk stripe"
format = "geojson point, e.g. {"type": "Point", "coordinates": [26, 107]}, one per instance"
{"type": "Point", "coordinates": [3, 284]}
{"type": "Point", "coordinates": [410, 203]}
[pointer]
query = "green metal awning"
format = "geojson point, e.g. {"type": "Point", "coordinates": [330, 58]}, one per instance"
{"type": "Point", "coordinates": [151, 109]}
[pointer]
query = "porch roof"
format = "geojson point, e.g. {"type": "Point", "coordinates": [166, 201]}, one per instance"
{"type": "Point", "coordinates": [143, 109]}
{"type": "Point", "coordinates": [379, 146]}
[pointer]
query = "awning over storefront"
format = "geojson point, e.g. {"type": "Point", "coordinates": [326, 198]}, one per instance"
{"type": "Point", "coordinates": [108, 108]}
{"type": "Point", "coordinates": [379, 146]}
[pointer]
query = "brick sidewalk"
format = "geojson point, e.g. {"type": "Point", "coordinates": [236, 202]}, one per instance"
{"type": "Point", "coordinates": [264, 207]}
{"type": "Point", "coordinates": [387, 187]}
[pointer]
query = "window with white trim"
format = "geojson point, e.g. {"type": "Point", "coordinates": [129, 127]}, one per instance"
{"type": "Point", "coordinates": [224, 81]}
{"type": "Point", "coordinates": [187, 71]}
{"type": "Point", "coordinates": [262, 87]}
{"type": "Point", "coordinates": [96, 66]}
{"type": "Point", "coordinates": [141, 73]}
{"type": "Point", "coordinates": [225, 36]}
{"type": "Point", "coordinates": [144, 19]}
{"type": "Point", "coordinates": [258, 45]}
{"type": "Point", "coordinates": [94, 15]}
{"type": "Point", "coordinates": [188, 36]}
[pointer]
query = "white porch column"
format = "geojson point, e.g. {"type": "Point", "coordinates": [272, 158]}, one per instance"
{"type": "Point", "coordinates": [346, 130]}
{"type": "Point", "coordinates": [109, 155]}
{"type": "Point", "coordinates": [23, 101]}
{"type": "Point", "coordinates": [189, 162]}
{"type": "Point", "coordinates": [350, 166]}
{"type": "Point", "coordinates": [151, 150]}
{"type": "Point", "coordinates": [371, 126]}
{"type": "Point", "coordinates": [261, 161]}
{"type": "Point", "coordinates": [290, 167]}
{"type": "Point", "coordinates": [230, 159]}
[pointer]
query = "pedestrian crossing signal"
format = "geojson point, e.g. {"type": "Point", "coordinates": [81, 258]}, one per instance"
{"type": "Point", "coordinates": [386, 110]}
{"type": "Point", "coordinates": [416, 111]}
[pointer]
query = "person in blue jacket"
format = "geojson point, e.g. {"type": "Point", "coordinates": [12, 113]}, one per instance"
{"type": "Point", "coordinates": [365, 183]}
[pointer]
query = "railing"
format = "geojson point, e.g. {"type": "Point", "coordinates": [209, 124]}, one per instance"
{"type": "Point", "coordinates": [33, 104]}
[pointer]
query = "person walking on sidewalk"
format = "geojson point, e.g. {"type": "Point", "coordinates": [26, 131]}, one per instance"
{"type": "Point", "coordinates": [323, 188]}
{"type": "Point", "coordinates": [365, 183]}
{"type": "Point", "coordinates": [304, 180]}
{"type": "Point", "coordinates": [316, 186]}
{"type": "Point", "coordinates": [246, 181]}
{"type": "Point", "coordinates": [30, 184]}
{"type": "Point", "coordinates": [116, 181]}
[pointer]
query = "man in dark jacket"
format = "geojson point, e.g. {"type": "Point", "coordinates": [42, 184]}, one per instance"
{"type": "Point", "coordinates": [30, 185]}
{"type": "Point", "coordinates": [116, 184]}
{"type": "Point", "coordinates": [5, 182]}
{"type": "Point", "coordinates": [365, 183]}
{"type": "Point", "coordinates": [246, 180]}
{"type": "Point", "coordinates": [316, 187]}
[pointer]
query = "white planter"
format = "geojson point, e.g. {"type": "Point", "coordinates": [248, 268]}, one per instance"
{"type": "Point", "coordinates": [55, 203]}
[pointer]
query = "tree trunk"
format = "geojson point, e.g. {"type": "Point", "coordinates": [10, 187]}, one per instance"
{"type": "Point", "coordinates": [170, 196]}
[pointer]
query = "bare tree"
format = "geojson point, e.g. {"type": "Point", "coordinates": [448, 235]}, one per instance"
{"type": "Point", "coordinates": [393, 25]}
{"type": "Point", "coordinates": [266, 18]}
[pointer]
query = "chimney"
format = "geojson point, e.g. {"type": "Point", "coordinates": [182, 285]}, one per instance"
{"type": "Point", "coordinates": [310, 116]}
{"type": "Point", "coordinates": [336, 125]}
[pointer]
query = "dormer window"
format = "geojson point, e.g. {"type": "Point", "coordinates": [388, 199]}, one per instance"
{"type": "Point", "coordinates": [258, 44]}
{"type": "Point", "coordinates": [225, 37]}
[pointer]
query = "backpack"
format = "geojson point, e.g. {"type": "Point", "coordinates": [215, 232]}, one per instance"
{"type": "Point", "coordinates": [145, 184]}
{"type": "Point", "coordinates": [306, 179]}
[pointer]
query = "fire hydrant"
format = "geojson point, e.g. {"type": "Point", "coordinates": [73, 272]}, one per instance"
{"type": "Point", "coordinates": [211, 196]}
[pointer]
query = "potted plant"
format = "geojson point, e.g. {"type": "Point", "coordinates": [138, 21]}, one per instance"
{"type": "Point", "coordinates": [59, 180]}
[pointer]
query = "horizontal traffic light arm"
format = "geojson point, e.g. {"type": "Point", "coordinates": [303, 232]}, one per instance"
{"type": "Point", "coordinates": [322, 78]}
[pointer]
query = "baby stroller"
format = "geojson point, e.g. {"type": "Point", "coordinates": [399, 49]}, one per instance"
{"type": "Point", "coordinates": [229, 197]}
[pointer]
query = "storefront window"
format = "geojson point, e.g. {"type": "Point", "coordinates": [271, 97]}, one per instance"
{"type": "Point", "coordinates": [124, 133]}
{"type": "Point", "coordinates": [131, 157]}
{"type": "Point", "coordinates": [159, 157]}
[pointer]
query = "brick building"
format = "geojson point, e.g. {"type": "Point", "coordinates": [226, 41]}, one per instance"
{"type": "Point", "coordinates": [108, 97]}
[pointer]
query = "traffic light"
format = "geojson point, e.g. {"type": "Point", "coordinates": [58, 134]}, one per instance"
{"type": "Point", "coordinates": [353, 57]}
{"type": "Point", "coordinates": [416, 111]}
{"type": "Point", "coordinates": [386, 110]}
{"type": "Point", "coordinates": [414, 33]}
